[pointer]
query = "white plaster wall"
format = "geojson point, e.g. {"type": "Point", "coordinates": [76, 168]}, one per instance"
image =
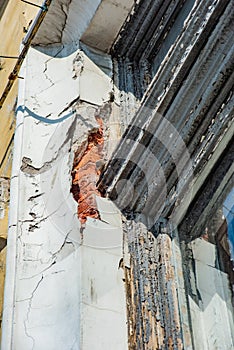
{"type": "Point", "coordinates": [103, 301]}
{"type": "Point", "coordinates": [62, 292]}
{"type": "Point", "coordinates": [212, 319]}
{"type": "Point", "coordinates": [66, 21]}
{"type": "Point", "coordinates": [106, 23]}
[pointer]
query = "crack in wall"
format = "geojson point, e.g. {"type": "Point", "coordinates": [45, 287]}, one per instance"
{"type": "Point", "coordinates": [71, 104]}
{"type": "Point", "coordinates": [28, 312]}
{"type": "Point", "coordinates": [47, 77]}
{"type": "Point", "coordinates": [52, 83]}
{"type": "Point", "coordinates": [65, 10]}
{"type": "Point", "coordinates": [65, 249]}
{"type": "Point", "coordinates": [33, 224]}
{"type": "Point", "coordinates": [28, 168]}
{"type": "Point", "coordinates": [36, 196]}
{"type": "Point", "coordinates": [4, 195]}
{"type": "Point", "coordinates": [78, 65]}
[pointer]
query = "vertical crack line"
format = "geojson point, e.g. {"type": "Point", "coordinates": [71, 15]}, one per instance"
{"type": "Point", "coordinates": [65, 11]}
{"type": "Point", "coordinates": [28, 312]}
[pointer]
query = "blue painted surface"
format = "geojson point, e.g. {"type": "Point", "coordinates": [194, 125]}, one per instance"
{"type": "Point", "coordinates": [228, 211]}
{"type": "Point", "coordinates": [43, 119]}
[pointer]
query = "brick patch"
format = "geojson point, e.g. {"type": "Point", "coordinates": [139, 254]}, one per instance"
{"type": "Point", "coordinates": [85, 174]}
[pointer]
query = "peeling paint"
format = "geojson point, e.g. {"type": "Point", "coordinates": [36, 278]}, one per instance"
{"type": "Point", "coordinates": [78, 65]}
{"type": "Point", "coordinates": [152, 305]}
{"type": "Point", "coordinates": [163, 58]}
{"type": "Point", "coordinates": [4, 196]}
{"type": "Point", "coordinates": [65, 106]}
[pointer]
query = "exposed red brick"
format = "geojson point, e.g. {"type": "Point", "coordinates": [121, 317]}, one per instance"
{"type": "Point", "coordinates": [85, 175]}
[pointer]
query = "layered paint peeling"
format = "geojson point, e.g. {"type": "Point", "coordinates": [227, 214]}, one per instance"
{"type": "Point", "coordinates": [152, 301]}
{"type": "Point", "coordinates": [60, 286]}
{"type": "Point", "coordinates": [68, 290]}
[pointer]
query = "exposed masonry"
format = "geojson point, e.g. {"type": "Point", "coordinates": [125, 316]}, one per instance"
{"type": "Point", "coordinates": [89, 156]}
{"type": "Point", "coordinates": [4, 194]}
{"type": "Point", "coordinates": [85, 174]}
{"type": "Point", "coordinates": [4, 202]}
{"type": "Point", "coordinates": [87, 167]}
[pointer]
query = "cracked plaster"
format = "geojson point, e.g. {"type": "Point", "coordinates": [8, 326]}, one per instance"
{"type": "Point", "coordinates": [53, 260]}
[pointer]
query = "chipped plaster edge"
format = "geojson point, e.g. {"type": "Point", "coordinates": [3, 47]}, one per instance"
{"type": "Point", "coordinates": [10, 277]}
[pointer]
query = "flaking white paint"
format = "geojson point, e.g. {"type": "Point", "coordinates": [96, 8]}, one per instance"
{"type": "Point", "coordinates": [51, 305]}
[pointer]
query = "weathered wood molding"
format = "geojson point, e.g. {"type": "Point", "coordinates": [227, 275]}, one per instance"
{"type": "Point", "coordinates": [183, 116]}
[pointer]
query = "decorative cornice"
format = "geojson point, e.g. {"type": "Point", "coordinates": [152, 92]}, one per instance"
{"type": "Point", "coordinates": [183, 116]}
{"type": "Point", "coordinates": [149, 20]}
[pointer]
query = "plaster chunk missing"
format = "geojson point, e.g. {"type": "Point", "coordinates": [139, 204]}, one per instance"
{"type": "Point", "coordinates": [4, 195]}
{"type": "Point", "coordinates": [78, 65]}
{"type": "Point", "coordinates": [85, 173]}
